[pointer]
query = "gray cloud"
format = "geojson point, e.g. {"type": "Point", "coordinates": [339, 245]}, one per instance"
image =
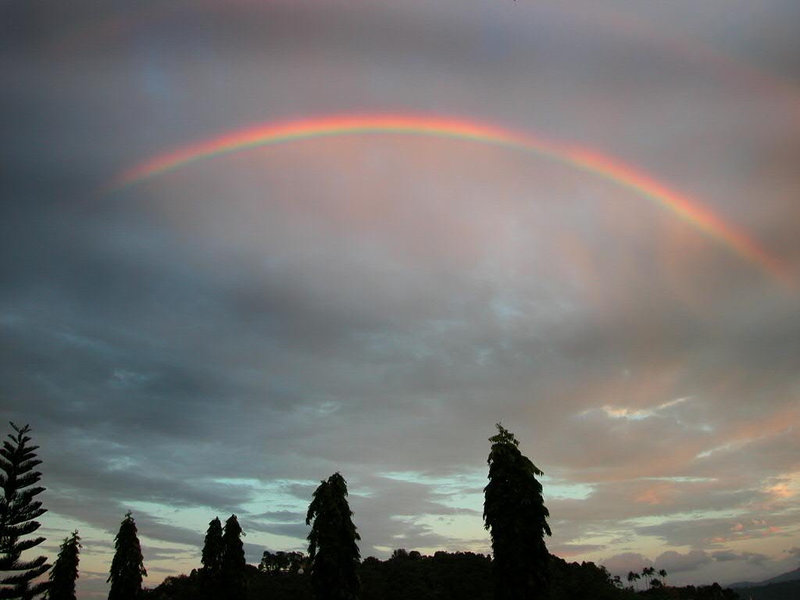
{"type": "Point", "coordinates": [751, 557]}
{"type": "Point", "coordinates": [675, 562]}
{"type": "Point", "coordinates": [220, 338]}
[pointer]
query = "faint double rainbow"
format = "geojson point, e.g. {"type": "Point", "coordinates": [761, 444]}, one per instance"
{"type": "Point", "coordinates": [578, 157]}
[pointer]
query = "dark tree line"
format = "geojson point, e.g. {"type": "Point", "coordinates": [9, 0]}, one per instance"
{"type": "Point", "coordinates": [521, 567]}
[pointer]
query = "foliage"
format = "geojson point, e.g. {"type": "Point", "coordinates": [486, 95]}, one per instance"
{"type": "Point", "coordinates": [689, 592]}
{"type": "Point", "coordinates": [443, 576]}
{"type": "Point", "coordinates": [180, 587]}
{"type": "Point", "coordinates": [332, 544]}
{"type": "Point", "coordinates": [213, 548]}
{"type": "Point", "coordinates": [782, 590]}
{"type": "Point", "coordinates": [584, 581]}
{"type": "Point", "coordinates": [233, 561]}
{"type": "Point", "coordinates": [18, 511]}
{"type": "Point", "coordinates": [65, 570]}
{"type": "Point", "coordinates": [515, 513]}
{"type": "Point", "coordinates": [213, 552]}
{"type": "Point", "coordinates": [281, 562]}
{"type": "Point", "coordinates": [127, 567]}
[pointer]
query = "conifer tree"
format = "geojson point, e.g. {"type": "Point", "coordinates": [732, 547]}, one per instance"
{"type": "Point", "coordinates": [65, 570]}
{"type": "Point", "coordinates": [233, 561]}
{"type": "Point", "coordinates": [515, 513]}
{"type": "Point", "coordinates": [213, 552]}
{"type": "Point", "coordinates": [127, 567]}
{"type": "Point", "coordinates": [332, 542]}
{"type": "Point", "coordinates": [18, 511]}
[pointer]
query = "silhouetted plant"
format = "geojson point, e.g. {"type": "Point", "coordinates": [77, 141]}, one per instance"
{"type": "Point", "coordinates": [233, 561]}
{"type": "Point", "coordinates": [213, 552]}
{"type": "Point", "coordinates": [127, 567]}
{"type": "Point", "coordinates": [647, 573]}
{"type": "Point", "coordinates": [65, 570]}
{"type": "Point", "coordinates": [515, 513]}
{"type": "Point", "coordinates": [18, 511]}
{"type": "Point", "coordinates": [633, 577]}
{"type": "Point", "coordinates": [281, 562]}
{"type": "Point", "coordinates": [332, 542]}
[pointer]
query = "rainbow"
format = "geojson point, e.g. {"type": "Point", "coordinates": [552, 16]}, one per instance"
{"type": "Point", "coordinates": [577, 157]}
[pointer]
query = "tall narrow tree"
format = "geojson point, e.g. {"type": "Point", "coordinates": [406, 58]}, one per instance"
{"type": "Point", "coordinates": [332, 542]}
{"type": "Point", "coordinates": [514, 512]}
{"type": "Point", "coordinates": [213, 553]}
{"type": "Point", "coordinates": [233, 561]}
{"type": "Point", "coordinates": [127, 567]}
{"type": "Point", "coordinates": [65, 570]}
{"type": "Point", "coordinates": [18, 514]}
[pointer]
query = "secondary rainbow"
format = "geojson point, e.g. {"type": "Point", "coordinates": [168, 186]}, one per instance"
{"type": "Point", "coordinates": [579, 157]}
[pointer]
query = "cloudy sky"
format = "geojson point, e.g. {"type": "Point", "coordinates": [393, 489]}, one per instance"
{"type": "Point", "coordinates": [219, 337]}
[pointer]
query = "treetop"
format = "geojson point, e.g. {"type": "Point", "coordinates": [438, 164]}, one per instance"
{"type": "Point", "coordinates": [504, 436]}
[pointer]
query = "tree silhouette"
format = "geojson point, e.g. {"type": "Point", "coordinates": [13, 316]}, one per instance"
{"type": "Point", "coordinates": [281, 562]}
{"type": "Point", "coordinates": [514, 511]}
{"type": "Point", "coordinates": [633, 577]}
{"type": "Point", "coordinates": [213, 552]}
{"type": "Point", "coordinates": [127, 568]}
{"type": "Point", "coordinates": [18, 511]}
{"type": "Point", "coordinates": [332, 544]}
{"type": "Point", "coordinates": [65, 570]}
{"type": "Point", "coordinates": [233, 561]}
{"type": "Point", "coordinates": [648, 573]}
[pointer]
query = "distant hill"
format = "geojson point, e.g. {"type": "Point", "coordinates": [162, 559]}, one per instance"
{"type": "Point", "coordinates": [790, 576]}
{"type": "Point", "coordinates": [784, 577]}
{"type": "Point", "coordinates": [785, 590]}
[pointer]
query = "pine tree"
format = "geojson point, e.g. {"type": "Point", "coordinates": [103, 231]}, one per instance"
{"type": "Point", "coordinates": [332, 542]}
{"type": "Point", "coordinates": [65, 570]}
{"type": "Point", "coordinates": [18, 511]}
{"type": "Point", "coordinates": [515, 513]}
{"type": "Point", "coordinates": [213, 552]}
{"type": "Point", "coordinates": [127, 568]}
{"type": "Point", "coordinates": [233, 561]}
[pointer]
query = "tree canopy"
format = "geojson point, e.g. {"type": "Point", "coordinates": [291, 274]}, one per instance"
{"type": "Point", "coordinates": [127, 567]}
{"type": "Point", "coordinates": [516, 516]}
{"type": "Point", "coordinates": [332, 542]}
{"type": "Point", "coordinates": [18, 513]}
{"type": "Point", "coordinates": [65, 570]}
{"type": "Point", "coordinates": [213, 552]}
{"type": "Point", "coordinates": [233, 560]}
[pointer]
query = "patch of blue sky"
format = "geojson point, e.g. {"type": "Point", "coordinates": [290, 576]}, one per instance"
{"type": "Point", "coordinates": [465, 490]}
{"type": "Point", "coordinates": [120, 463]}
{"type": "Point", "coordinates": [684, 516]}
{"type": "Point", "coordinates": [681, 479]}
{"type": "Point", "coordinates": [506, 309]}
{"type": "Point", "coordinates": [197, 519]}
{"type": "Point", "coordinates": [457, 481]}
{"type": "Point", "coordinates": [466, 532]}
{"type": "Point", "coordinates": [80, 341]}
{"type": "Point", "coordinates": [555, 488]}
{"type": "Point", "coordinates": [55, 527]}
{"type": "Point", "coordinates": [269, 496]}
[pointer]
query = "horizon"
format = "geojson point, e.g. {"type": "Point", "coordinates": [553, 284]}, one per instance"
{"type": "Point", "coordinates": [248, 244]}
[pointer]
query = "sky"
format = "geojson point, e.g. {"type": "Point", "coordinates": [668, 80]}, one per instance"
{"type": "Point", "coordinates": [585, 226]}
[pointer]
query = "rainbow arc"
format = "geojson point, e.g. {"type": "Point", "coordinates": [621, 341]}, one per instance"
{"type": "Point", "coordinates": [578, 157]}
